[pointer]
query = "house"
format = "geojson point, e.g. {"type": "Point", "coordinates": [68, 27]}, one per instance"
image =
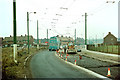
{"type": "Point", "coordinates": [80, 41]}
{"type": "Point", "coordinates": [65, 40]}
{"type": "Point", "coordinates": [41, 41]}
{"type": "Point", "coordinates": [110, 39]}
{"type": "Point", "coordinates": [1, 39]}
{"type": "Point", "coordinates": [21, 41]}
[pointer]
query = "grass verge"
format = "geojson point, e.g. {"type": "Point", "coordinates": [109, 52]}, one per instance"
{"type": "Point", "coordinates": [12, 70]}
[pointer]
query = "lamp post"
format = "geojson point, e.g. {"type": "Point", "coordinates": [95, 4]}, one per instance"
{"type": "Point", "coordinates": [37, 36]}
{"type": "Point", "coordinates": [14, 32]}
{"type": "Point", "coordinates": [47, 36]}
{"type": "Point", "coordinates": [28, 28]}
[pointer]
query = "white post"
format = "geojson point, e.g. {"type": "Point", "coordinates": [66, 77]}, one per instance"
{"type": "Point", "coordinates": [15, 52]}
{"type": "Point", "coordinates": [37, 46]}
{"type": "Point", "coordinates": [85, 47]}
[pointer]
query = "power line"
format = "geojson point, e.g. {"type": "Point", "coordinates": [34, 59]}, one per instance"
{"type": "Point", "coordinates": [98, 9]}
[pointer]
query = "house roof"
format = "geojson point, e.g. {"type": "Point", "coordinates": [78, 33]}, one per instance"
{"type": "Point", "coordinates": [19, 38]}
{"type": "Point", "coordinates": [65, 38]}
{"type": "Point", "coordinates": [109, 34]}
{"type": "Point", "coordinates": [1, 38]}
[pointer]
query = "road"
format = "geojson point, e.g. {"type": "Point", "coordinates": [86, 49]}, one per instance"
{"type": "Point", "coordinates": [46, 65]}
{"type": "Point", "coordinates": [95, 65]}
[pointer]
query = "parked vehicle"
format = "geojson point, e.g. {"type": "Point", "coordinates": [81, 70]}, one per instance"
{"type": "Point", "coordinates": [77, 48]}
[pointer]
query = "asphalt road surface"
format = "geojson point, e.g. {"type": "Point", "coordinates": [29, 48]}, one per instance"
{"type": "Point", "coordinates": [46, 65]}
{"type": "Point", "coordinates": [95, 65]}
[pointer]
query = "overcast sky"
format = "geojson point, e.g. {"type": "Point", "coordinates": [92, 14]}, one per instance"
{"type": "Point", "coordinates": [102, 17]}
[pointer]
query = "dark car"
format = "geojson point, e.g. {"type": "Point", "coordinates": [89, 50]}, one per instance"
{"type": "Point", "coordinates": [78, 50]}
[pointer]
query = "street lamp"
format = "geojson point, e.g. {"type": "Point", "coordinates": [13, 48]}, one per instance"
{"type": "Point", "coordinates": [110, 1]}
{"type": "Point", "coordinates": [28, 27]}
{"type": "Point", "coordinates": [47, 36]}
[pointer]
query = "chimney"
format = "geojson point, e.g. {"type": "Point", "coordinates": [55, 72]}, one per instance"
{"type": "Point", "coordinates": [57, 36]}
{"type": "Point", "coordinates": [109, 32]}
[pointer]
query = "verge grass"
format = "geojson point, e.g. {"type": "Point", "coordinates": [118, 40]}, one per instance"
{"type": "Point", "coordinates": [10, 69]}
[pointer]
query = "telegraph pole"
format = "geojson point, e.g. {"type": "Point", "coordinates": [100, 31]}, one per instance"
{"type": "Point", "coordinates": [28, 30]}
{"type": "Point", "coordinates": [119, 28]}
{"type": "Point", "coordinates": [75, 36]}
{"type": "Point", "coordinates": [37, 36]}
{"type": "Point", "coordinates": [47, 37]}
{"type": "Point", "coordinates": [85, 28]}
{"type": "Point", "coordinates": [14, 31]}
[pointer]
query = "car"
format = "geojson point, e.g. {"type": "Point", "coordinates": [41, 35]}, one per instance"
{"type": "Point", "coordinates": [78, 50]}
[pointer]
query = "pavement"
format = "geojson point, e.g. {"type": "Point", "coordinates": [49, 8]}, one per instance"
{"type": "Point", "coordinates": [113, 58]}
{"type": "Point", "coordinates": [46, 65]}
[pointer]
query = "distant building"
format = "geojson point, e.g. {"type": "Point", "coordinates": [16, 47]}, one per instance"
{"type": "Point", "coordinates": [42, 41]}
{"type": "Point", "coordinates": [80, 41]}
{"type": "Point", "coordinates": [21, 41]}
{"type": "Point", "coordinates": [119, 39]}
{"type": "Point", "coordinates": [95, 41]}
{"type": "Point", "coordinates": [110, 39]}
{"type": "Point", "coordinates": [1, 39]}
{"type": "Point", "coordinates": [65, 40]}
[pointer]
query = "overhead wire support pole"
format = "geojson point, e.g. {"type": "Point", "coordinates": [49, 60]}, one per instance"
{"type": "Point", "coordinates": [47, 37]}
{"type": "Point", "coordinates": [119, 27]}
{"type": "Point", "coordinates": [28, 30]}
{"type": "Point", "coordinates": [75, 36]}
{"type": "Point", "coordinates": [14, 32]}
{"type": "Point", "coordinates": [14, 21]}
{"type": "Point", "coordinates": [85, 28]}
{"type": "Point", "coordinates": [37, 36]}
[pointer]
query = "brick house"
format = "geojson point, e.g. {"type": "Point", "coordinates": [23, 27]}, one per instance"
{"type": "Point", "coordinates": [110, 39]}
{"type": "Point", "coordinates": [1, 39]}
{"type": "Point", "coordinates": [65, 40]}
{"type": "Point", "coordinates": [41, 41]}
{"type": "Point", "coordinates": [21, 41]}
